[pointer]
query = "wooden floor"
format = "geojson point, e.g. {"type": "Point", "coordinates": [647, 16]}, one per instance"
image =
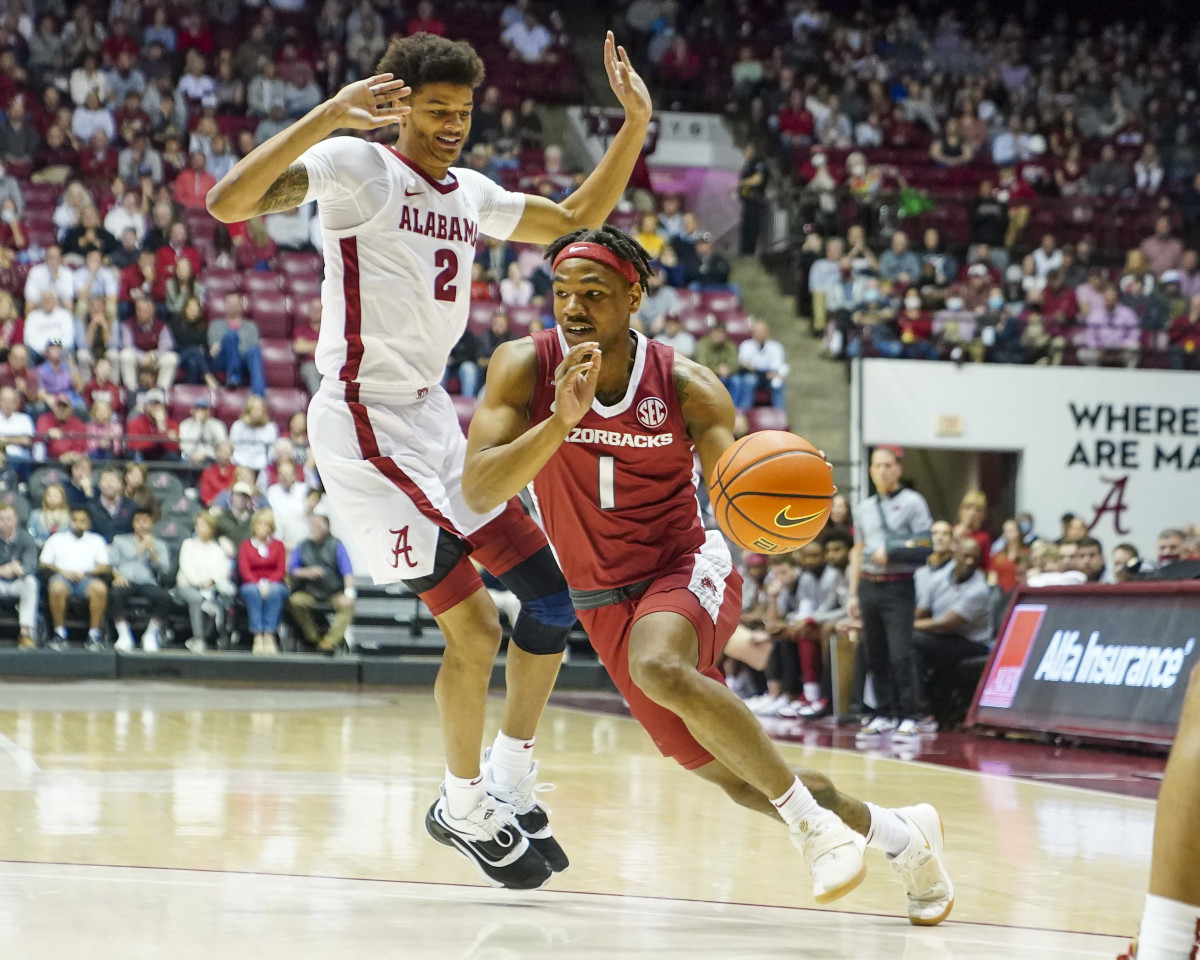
{"type": "Point", "coordinates": [169, 821]}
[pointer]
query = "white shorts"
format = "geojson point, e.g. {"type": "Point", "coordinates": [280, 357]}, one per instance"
{"type": "Point", "coordinates": [393, 473]}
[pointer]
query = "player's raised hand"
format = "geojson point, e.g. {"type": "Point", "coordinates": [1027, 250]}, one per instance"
{"type": "Point", "coordinates": [371, 103]}
{"type": "Point", "coordinates": [575, 382]}
{"type": "Point", "coordinates": [625, 82]}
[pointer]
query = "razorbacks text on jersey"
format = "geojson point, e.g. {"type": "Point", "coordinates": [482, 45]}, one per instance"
{"type": "Point", "coordinates": [398, 249]}
{"type": "Point", "coordinates": [618, 498]}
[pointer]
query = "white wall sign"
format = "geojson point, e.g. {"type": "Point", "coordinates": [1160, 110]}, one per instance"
{"type": "Point", "coordinates": [1120, 448]}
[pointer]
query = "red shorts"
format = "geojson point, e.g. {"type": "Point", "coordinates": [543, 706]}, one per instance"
{"type": "Point", "coordinates": [713, 606]}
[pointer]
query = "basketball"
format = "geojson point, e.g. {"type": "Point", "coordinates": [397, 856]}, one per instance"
{"type": "Point", "coordinates": [772, 492]}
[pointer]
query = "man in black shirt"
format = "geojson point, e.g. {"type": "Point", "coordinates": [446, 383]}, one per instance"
{"type": "Point", "coordinates": [111, 511]}
{"type": "Point", "coordinates": [752, 192]}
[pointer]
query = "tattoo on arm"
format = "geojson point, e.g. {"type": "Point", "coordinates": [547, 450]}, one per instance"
{"type": "Point", "coordinates": [681, 384]}
{"type": "Point", "coordinates": [287, 191]}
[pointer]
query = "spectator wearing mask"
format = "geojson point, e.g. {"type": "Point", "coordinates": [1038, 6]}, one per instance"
{"type": "Point", "coordinates": [262, 564]}
{"type": "Point", "coordinates": [153, 434]}
{"type": "Point", "coordinates": [76, 560]}
{"type": "Point", "coordinates": [203, 583]}
{"type": "Point", "coordinates": [233, 345]}
{"type": "Point", "coordinates": [139, 562]}
{"type": "Point", "coordinates": [953, 623]}
{"type": "Point", "coordinates": [761, 363]}
{"type": "Point", "coordinates": [18, 573]}
{"type": "Point", "coordinates": [321, 572]}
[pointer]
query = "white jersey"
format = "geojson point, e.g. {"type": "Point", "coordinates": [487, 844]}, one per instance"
{"type": "Point", "coordinates": [398, 252]}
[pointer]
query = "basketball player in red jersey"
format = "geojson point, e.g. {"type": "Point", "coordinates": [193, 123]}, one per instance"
{"type": "Point", "coordinates": [1170, 928]}
{"type": "Point", "coordinates": [399, 225]}
{"type": "Point", "coordinates": [604, 423]}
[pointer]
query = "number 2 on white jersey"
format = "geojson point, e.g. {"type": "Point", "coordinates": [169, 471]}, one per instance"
{"type": "Point", "coordinates": [608, 483]}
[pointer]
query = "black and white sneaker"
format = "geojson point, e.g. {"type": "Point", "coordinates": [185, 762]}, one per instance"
{"type": "Point", "coordinates": [532, 817]}
{"type": "Point", "coordinates": [491, 839]}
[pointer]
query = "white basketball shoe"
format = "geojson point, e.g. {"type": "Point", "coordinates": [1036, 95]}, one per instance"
{"type": "Point", "coordinates": [833, 852]}
{"type": "Point", "coordinates": [926, 882]}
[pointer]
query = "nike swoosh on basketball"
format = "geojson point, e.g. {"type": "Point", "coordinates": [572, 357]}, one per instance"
{"type": "Point", "coordinates": [412, 193]}
{"type": "Point", "coordinates": [783, 520]}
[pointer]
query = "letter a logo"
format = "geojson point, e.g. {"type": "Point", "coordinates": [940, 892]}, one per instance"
{"type": "Point", "coordinates": [401, 549]}
{"type": "Point", "coordinates": [1114, 503]}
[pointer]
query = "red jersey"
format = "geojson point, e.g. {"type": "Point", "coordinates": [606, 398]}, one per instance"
{"type": "Point", "coordinates": [618, 498]}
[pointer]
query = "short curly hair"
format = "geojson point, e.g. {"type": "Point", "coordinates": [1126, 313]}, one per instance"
{"type": "Point", "coordinates": [426, 58]}
{"type": "Point", "coordinates": [619, 242]}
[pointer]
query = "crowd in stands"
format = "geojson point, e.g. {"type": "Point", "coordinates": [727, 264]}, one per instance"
{"type": "Point", "coordinates": [793, 605]}
{"type": "Point", "coordinates": [976, 187]}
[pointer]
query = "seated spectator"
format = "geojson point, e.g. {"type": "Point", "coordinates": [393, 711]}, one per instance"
{"type": "Point", "coordinates": [218, 475]}
{"type": "Point", "coordinates": [321, 572]}
{"type": "Point", "coordinates": [104, 432]}
{"type": "Point", "coordinates": [137, 490]}
{"type": "Point", "coordinates": [139, 563]}
{"type": "Point", "coordinates": [200, 434]}
{"type": "Point", "coordinates": [1111, 333]}
{"type": "Point", "coordinates": [52, 274]}
{"type": "Point", "coordinates": [899, 264]}
{"type": "Point", "coordinates": [233, 346]}
{"type": "Point", "coordinates": [50, 321]}
{"type": "Point", "coordinates": [1162, 251]}
{"type": "Point", "coordinates": [82, 486]}
{"type": "Point", "coordinates": [527, 40]}
{"type": "Point", "coordinates": [76, 559]}
{"type": "Point", "coordinates": [1125, 562]}
{"type": "Point", "coordinates": [1148, 171]}
{"type": "Point", "coordinates": [89, 234]}
{"type": "Point", "coordinates": [258, 250]}
{"type": "Point", "coordinates": [674, 336]}
{"type": "Point", "coordinates": [262, 565]}
{"type": "Point", "coordinates": [1047, 567]}
{"type": "Point", "coordinates": [711, 268]}
{"type": "Point", "coordinates": [153, 434]}
{"type": "Point", "coordinates": [1089, 560]}
{"type": "Point", "coordinates": [178, 246]}
{"type": "Point", "coordinates": [1183, 338]}
{"type": "Point", "coordinates": [12, 324]}
{"type": "Point", "coordinates": [462, 364]}
{"type": "Point", "coordinates": [237, 505]}
{"type": "Point", "coordinates": [16, 428]}
{"type": "Point", "coordinates": [498, 332]}
{"type": "Point", "coordinates": [953, 620]}
{"type": "Point", "coordinates": [761, 363]}
{"type": "Point", "coordinates": [650, 236]}
{"type": "Point", "coordinates": [287, 498]}
{"type": "Point", "coordinates": [57, 375]}
{"type": "Point", "coordinates": [147, 339]}
{"type": "Point", "coordinates": [304, 345]}
{"type": "Point", "coordinates": [57, 157]}
{"type": "Point", "coordinates": [825, 272]}
{"type": "Point", "coordinates": [183, 286]}
{"type": "Point", "coordinates": [1048, 256]}
{"type": "Point", "coordinates": [717, 352]}
{"type": "Point", "coordinates": [10, 189]}
{"type": "Point", "coordinates": [204, 582]}
{"type": "Point", "coordinates": [52, 516]}
{"type": "Point", "coordinates": [102, 386]}
{"type": "Point", "coordinates": [515, 289]}
{"type": "Point", "coordinates": [915, 326]}
{"type": "Point", "coordinates": [189, 330]}
{"type": "Point", "coordinates": [972, 514]}
{"type": "Point", "coordinates": [950, 149]}
{"type": "Point", "coordinates": [99, 335]}
{"type": "Point", "coordinates": [127, 215]}
{"type": "Point", "coordinates": [18, 573]}
{"type": "Point", "coordinates": [111, 511]}
{"type": "Point", "coordinates": [658, 301]}
{"type": "Point", "coordinates": [191, 187]}
{"type": "Point", "coordinates": [65, 435]}
{"type": "Point", "coordinates": [19, 142]}
{"type": "Point", "coordinates": [253, 435]}
{"type": "Point", "coordinates": [1107, 177]}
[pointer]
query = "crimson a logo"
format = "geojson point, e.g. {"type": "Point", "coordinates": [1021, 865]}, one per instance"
{"type": "Point", "coordinates": [651, 412]}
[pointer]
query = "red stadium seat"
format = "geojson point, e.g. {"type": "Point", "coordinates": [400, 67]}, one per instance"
{"type": "Point", "coordinates": [522, 317]}
{"type": "Point", "coordinates": [282, 404]}
{"type": "Point", "coordinates": [766, 418]}
{"type": "Point", "coordinates": [219, 283]}
{"type": "Point", "coordinates": [273, 314]}
{"type": "Point", "coordinates": [301, 264]}
{"type": "Point", "coordinates": [261, 281]}
{"type": "Point", "coordinates": [480, 317]}
{"type": "Point", "coordinates": [230, 404]}
{"type": "Point", "coordinates": [279, 363]}
{"type": "Point", "coordinates": [301, 288]}
{"type": "Point", "coordinates": [183, 396]}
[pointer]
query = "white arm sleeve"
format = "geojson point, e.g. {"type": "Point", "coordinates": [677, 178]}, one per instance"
{"type": "Point", "coordinates": [348, 178]}
{"type": "Point", "coordinates": [499, 210]}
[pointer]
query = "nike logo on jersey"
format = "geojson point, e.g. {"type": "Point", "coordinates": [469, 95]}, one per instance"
{"type": "Point", "coordinates": [613, 438]}
{"type": "Point", "coordinates": [412, 193]}
{"type": "Point", "coordinates": [783, 520]}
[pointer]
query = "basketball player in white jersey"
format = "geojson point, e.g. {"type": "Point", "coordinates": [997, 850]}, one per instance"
{"type": "Point", "coordinates": [400, 225]}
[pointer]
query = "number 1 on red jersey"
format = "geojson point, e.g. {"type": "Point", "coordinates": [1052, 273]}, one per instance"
{"type": "Point", "coordinates": [608, 483]}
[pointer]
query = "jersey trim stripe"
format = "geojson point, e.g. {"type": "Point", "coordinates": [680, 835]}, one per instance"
{"type": "Point", "coordinates": [439, 187]}
{"type": "Point", "coordinates": [351, 294]}
{"type": "Point", "coordinates": [369, 448]}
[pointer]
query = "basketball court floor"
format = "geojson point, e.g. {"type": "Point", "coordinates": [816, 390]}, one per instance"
{"type": "Point", "coordinates": [156, 820]}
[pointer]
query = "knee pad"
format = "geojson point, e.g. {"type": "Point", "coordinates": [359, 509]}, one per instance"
{"type": "Point", "coordinates": [547, 615]}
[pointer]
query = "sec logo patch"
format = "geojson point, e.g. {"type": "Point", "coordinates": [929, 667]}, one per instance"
{"type": "Point", "coordinates": [651, 412]}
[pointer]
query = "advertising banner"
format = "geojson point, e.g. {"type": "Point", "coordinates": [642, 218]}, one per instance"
{"type": "Point", "coordinates": [1102, 662]}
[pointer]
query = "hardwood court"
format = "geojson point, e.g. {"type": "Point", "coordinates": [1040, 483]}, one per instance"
{"type": "Point", "coordinates": [159, 820]}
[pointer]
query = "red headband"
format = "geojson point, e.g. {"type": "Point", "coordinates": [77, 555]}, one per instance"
{"type": "Point", "coordinates": [599, 254]}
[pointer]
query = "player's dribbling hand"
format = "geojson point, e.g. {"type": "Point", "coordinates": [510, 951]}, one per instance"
{"type": "Point", "coordinates": [371, 103]}
{"type": "Point", "coordinates": [575, 382]}
{"type": "Point", "coordinates": [625, 82]}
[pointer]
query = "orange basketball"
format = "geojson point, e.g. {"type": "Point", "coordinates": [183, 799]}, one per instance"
{"type": "Point", "coordinates": [772, 492]}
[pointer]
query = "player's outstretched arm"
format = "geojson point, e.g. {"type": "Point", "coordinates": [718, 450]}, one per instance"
{"type": "Point", "coordinates": [268, 179]}
{"type": "Point", "coordinates": [707, 410]}
{"type": "Point", "coordinates": [589, 206]}
{"type": "Point", "coordinates": [504, 453]}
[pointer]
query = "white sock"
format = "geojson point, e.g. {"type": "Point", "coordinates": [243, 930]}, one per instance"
{"type": "Point", "coordinates": [1170, 930]}
{"type": "Point", "coordinates": [796, 803]}
{"type": "Point", "coordinates": [888, 832]}
{"type": "Point", "coordinates": [510, 759]}
{"type": "Point", "coordinates": [812, 692]}
{"type": "Point", "coordinates": [462, 795]}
